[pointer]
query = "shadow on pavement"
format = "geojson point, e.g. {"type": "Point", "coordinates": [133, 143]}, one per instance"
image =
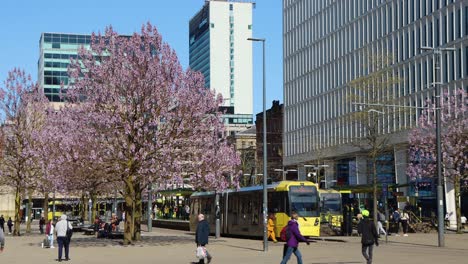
{"type": "Point", "coordinates": [86, 242]}
{"type": "Point", "coordinates": [347, 262]}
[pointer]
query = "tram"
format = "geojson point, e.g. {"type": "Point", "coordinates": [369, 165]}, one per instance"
{"type": "Point", "coordinates": [240, 211]}
{"type": "Point", "coordinates": [331, 208]}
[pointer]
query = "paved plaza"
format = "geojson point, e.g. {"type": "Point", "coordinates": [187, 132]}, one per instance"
{"type": "Point", "coordinates": [170, 246]}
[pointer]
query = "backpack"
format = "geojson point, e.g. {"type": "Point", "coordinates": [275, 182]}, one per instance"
{"type": "Point", "coordinates": [285, 234]}
{"type": "Point", "coordinates": [396, 216]}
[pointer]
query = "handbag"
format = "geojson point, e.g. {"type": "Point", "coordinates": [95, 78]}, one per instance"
{"type": "Point", "coordinates": [201, 252]}
{"type": "Point", "coordinates": [69, 232]}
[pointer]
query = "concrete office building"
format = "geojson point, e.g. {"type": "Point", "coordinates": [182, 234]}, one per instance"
{"type": "Point", "coordinates": [324, 44]}
{"type": "Point", "coordinates": [220, 50]}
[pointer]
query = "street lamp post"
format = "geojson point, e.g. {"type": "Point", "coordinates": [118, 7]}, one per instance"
{"type": "Point", "coordinates": [150, 207]}
{"type": "Point", "coordinates": [437, 52]}
{"type": "Point", "coordinates": [265, 172]}
{"type": "Point", "coordinates": [90, 206]}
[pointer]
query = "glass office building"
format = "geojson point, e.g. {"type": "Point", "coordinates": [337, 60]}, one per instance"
{"type": "Point", "coordinates": [56, 50]}
{"type": "Point", "coordinates": [325, 47]}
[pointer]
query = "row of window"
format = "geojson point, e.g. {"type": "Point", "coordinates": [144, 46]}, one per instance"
{"type": "Point", "coordinates": [67, 38]}
{"type": "Point", "coordinates": [53, 64]}
{"type": "Point", "coordinates": [49, 80]}
{"type": "Point", "coordinates": [344, 130]}
{"type": "Point", "coordinates": [404, 43]}
{"type": "Point", "coordinates": [415, 74]}
{"type": "Point", "coordinates": [60, 56]}
{"type": "Point", "coordinates": [381, 19]}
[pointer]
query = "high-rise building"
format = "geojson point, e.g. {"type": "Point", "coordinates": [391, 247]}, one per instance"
{"type": "Point", "coordinates": [55, 52]}
{"type": "Point", "coordinates": [220, 50]}
{"type": "Point", "coordinates": [325, 47]}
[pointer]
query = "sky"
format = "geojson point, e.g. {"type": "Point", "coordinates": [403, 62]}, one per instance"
{"type": "Point", "coordinates": [23, 21]}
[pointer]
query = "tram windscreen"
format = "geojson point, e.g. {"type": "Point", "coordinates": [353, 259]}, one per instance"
{"type": "Point", "coordinates": [304, 200]}
{"type": "Point", "coordinates": [331, 202]}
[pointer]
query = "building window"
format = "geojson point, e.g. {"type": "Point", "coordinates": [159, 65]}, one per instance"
{"type": "Point", "coordinates": [231, 7]}
{"type": "Point", "coordinates": [212, 25]}
{"type": "Point", "coordinates": [56, 45]}
{"type": "Point", "coordinates": [250, 27]}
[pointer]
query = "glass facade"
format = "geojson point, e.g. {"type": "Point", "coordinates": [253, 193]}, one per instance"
{"type": "Point", "coordinates": [56, 51]}
{"type": "Point", "coordinates": [325, 45]}
{"type": "Point", "coordinates": [199, 43]}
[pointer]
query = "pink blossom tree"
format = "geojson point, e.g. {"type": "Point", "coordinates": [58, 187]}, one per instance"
{"type": "Point", "coordinates": [156, 122]}
{"type": "Point", "coordinates": [23, 106]}
{"type": "Point", "coordinates": [454, 139]}
{"type": "Point", "coordinates": [70, 155]}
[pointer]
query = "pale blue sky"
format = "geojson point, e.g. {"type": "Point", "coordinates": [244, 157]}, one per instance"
{"type": "Point", "coordinates": [22, 21]}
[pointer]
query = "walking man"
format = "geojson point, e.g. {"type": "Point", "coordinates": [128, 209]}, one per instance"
{"type": "Point", "coordinates": [2, 223]}
{"type": "Point", "coordinates": [10, 225]}
{"type": "Point", "coordinates": [63, 241]}
{"type": "Point", "coordinates": [293, 236]}
{"type": "Point", "coordinates": [201, 236]}
{"type": "Point", "coordinates": [41, 225]}
{"type": "Point", "coordinates": [381, 221]}
{"type": "Point", "coordinates": [369, 236]}
{"type": "Point", "coordinates": [404, 222]}
{"type": "Point", "coordinates": [396, 220]}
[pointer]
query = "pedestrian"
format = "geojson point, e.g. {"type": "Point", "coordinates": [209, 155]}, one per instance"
{"type": "Point", "coordinates": [41, 225]}
{"type": "Point", "coordinates": [9, 224]}
{"type": "Point", "coordinates": [63, 240]}
{"type": "Point", "coordinates": [381, 221]}
{"type": "Point", "coordinates": [404, 222]}
{"type": "Point", "coordinates": [50, 233]}
{"type": "Point", "coordinates": [293, 236]}
{"type": "Point", "coordinates": [2, 223]}
{"type": "Point", "coordinates": [187, 212]}
{"type": "Point", "coordinates": [369, 236]}
{"type": "Point", "coordinates": [201, 236]}
{"type": "Point", "coordinates": [396, 221]}
{"type": "Point", "coordinates": [2, 240]}
{"type": "Point", "coordinates": [271, 227]}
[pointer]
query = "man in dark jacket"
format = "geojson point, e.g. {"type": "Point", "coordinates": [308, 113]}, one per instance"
{"type": "Point", "coordinates": [2, 223]}
{"type": "Point", "coordinates": [41, 225]}
{"type": "Point", "coordinates": [369, 236]}
{"type": "Point", "coordinates": [201, 236]}
{"type": "Point", "coordinates": [293, 238]}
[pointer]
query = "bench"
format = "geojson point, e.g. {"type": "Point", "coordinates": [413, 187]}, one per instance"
{"type": "Point", "coordinates": [88, 231]}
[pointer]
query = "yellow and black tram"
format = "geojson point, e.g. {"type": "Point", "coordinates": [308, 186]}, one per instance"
{"type": "Point", "coordinates": [331, 208]}
{"type": "Point", "coordinates": [240, 211]}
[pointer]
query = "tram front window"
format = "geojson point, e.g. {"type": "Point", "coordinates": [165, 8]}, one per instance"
{"type": "Point", "coordinates": [304, 200]}
{"type": "Point", "coordinates": [331, 203]}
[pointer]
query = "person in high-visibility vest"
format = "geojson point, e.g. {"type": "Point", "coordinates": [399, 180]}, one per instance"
{"type": "Point", "coordinates": [271, 227]}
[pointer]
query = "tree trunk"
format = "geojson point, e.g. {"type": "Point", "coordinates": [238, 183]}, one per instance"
{"type": "Point", "coordinates": [129, 196]}
{"type": "Point", "coordinates": [457, 204]}
{"type": "Point", "coordinates": [93, 205]}
{"type": "Point", "coordinates": [28, 210]}
{"type": "Point", "coordinates": [84, 207]}
{"type": "Point", "coordinates": [138, 213]}
{"type": "Point", "coordinates": [16, 229]}
{"type": "Point", "coordinates": [45, 206]}
{"type": "Point", "coordinates": [374, 182]}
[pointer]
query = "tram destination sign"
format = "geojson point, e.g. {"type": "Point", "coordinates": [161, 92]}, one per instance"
{"type": "Point", "coordinates": [301, 189]}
